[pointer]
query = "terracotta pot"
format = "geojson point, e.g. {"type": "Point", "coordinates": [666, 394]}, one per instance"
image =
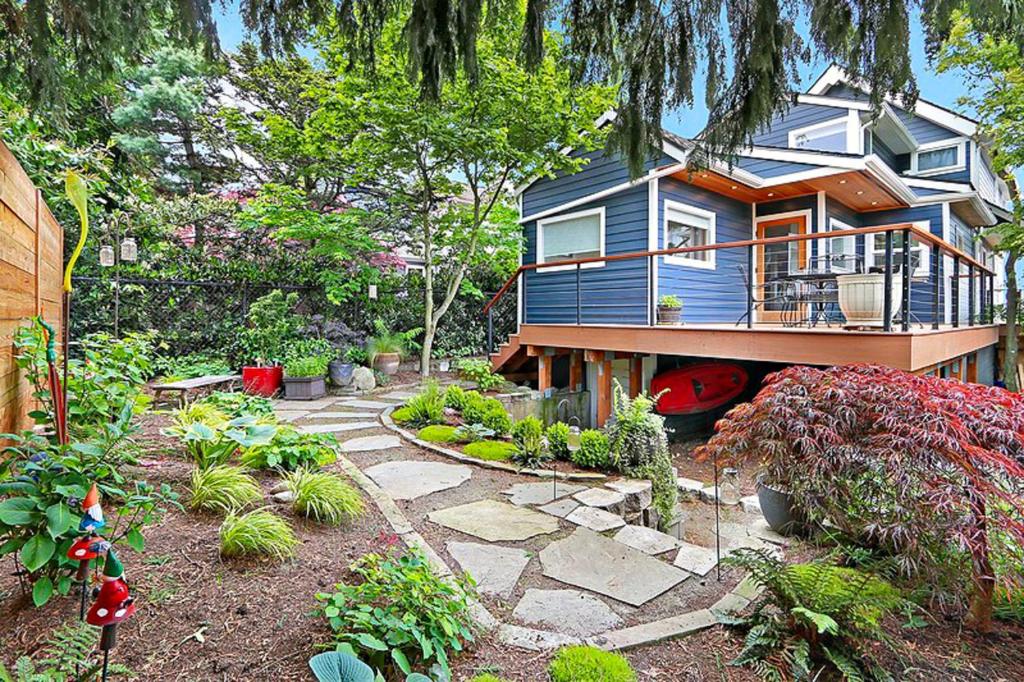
{"type": "Point", "coordinates": [262, 381]}
{"type": "Point", "coordinates": [387, 363]}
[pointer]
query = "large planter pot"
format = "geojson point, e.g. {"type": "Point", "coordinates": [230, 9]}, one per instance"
{"type": "Point", "coordinates": [262, 381]}
{"type": "Point", "coordinates": [304, 388]}
{"type": "Point", "coordinates": [862, 298]}
{"type": "Point", "coordinates": [669, 315]}
{"type": "Point", "coordinates": [777, 509]}
{"type": "Point", "coordinates": [387, 363]}
{"type": "Point", "coordinates": [340, 372]}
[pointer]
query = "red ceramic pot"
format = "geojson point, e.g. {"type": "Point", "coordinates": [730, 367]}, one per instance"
{"type": "Point", "coordinates": [264, 381]}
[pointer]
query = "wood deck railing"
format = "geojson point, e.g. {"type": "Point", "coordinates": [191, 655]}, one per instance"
{"type": "Point", "coordinates": [909, 232]}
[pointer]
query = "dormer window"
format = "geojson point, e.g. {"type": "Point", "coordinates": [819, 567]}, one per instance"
{"type": "Point", "coordinates": [939, 157]}
{"type": "Point", "coordinates": [829, 136]}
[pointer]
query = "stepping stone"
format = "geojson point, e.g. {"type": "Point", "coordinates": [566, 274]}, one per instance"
{"type": "Point", "coordinates": [561, 508]}
{"type": "Point", "coordinates": [657, 631]}
{"type": "Point", "coordinates": [495, 569]}
{"type": "Point", "coordinates": [532, 639]}
{"type": "Point", "coordinates": [638, 493]}
{"type": "Point", "coordinates": [567, 611]}
{"type": "Point", "coordinates": [367, 443]}
{"type": "Point", "coordinates": [647, 540]}
{"type": "Point", "coordinates": [342, 415]}
{"type": "Point", "coordinates": [363, 404]}
{"type": "Point", "coordinates": [539, 493]}
{"type": "Point", "coordinates": [304, 405]}
{"type": "Point", "coordinates": [595, 519]}
{"type": "Point", "coordinates": [599, 564]}
{"type": "Point", "coordinates": [695, 559]}
{"type": "Point", "coordinates": [495, 521]}
{"type": "Point", "coordinates": [601, 498]}
{"type": "Point", "coordinates": [689, 488]}
{"type": "Point", "coordinates": [287, 416]}
{"type": "Point", "coordinates": [761, 530]}
{"type": "Point", "coordinates": [751, 504]}
{"type": "Point", "coordinates": [398, 395]}
{"type": "Point", "coordinates": [407, 480]}
{"type": "Point", "coordinates": [337, 428]}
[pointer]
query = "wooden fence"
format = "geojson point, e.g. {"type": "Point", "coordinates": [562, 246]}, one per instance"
{"type": "Point", "coordinates": [31, 261]}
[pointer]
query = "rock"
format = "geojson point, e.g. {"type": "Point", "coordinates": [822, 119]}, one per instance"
{"type": "Point", "coordinates": [363, 379]}
{"type": "Point", "coordinates": [364, 404]}
{"type": "Point", "coordinates": [695, 559]}
{"type": "Point", "coordinates": [532, 639]}
{"type": "Point", "coordinates": [709, 493]}
{"type": "Point", "coordinates": [283, 497]}
{"type": "Point", "coordinates": [567, 611]}
{"type": "Point", "coordinates": [689, 488]}
{"type": "Point", "coordinates": [647, 540]}
{"type": "Point", "coordinates": [495, 521]}
{"type": "Point", "coordinates": [656, 631]}
{"type": "Point", "coordinates": [495, 569]}
{"type": "Point", "coordinates": [651, 517]}
{"type": "Point", "coordinates": [279, 487]}
{"type": "Point", "coordinates": [539, 493]}
{"type": "Point", "coordinates": [561, 508]}
{"type": "Point", "coordinates": [341, 415]}
{"type": "Point", "coordinates": [600, 498]}
{"type": "Point", "coordinates": [595, 519]}
{"type": "Point", "coordinates": [409, 479]}
{"type": "Point", "coordinates": [638, 493]}
{"type": "Point", "coordinates": [751, 504]}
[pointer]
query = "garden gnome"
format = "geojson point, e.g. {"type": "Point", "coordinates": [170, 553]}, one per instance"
{"type": "Point", "coordinates": [92, 517]}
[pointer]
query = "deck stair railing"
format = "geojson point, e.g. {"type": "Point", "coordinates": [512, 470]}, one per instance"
{"type": "Point", "coordinates": [503, 309]}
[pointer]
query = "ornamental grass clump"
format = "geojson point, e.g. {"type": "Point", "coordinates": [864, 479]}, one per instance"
{"type": "Point", "coordinates": [927, 470]}
{"type": "Point", "coordinates": [426, 407]}
{"type": "Point", "coordinates": [324, 497]}
{"type": "Point", "coordinates": [257, 533]}
{"type": "Point", "coordinates": [223, 488]}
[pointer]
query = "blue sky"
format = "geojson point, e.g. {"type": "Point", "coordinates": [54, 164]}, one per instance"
{"type": "Point", "coordinates": [940, 89]}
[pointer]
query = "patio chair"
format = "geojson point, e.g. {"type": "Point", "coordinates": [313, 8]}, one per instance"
{"type": "Point", "coordinates": [761, 296]}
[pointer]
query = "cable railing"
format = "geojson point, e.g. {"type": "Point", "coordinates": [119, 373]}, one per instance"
{"type": "Point", "coordinates": [573, 293]}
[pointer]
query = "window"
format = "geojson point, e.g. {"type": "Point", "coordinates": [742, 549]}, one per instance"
{"type": "Point", "coordinates": [829, 136]}
{"type": "Point", "coordinates": [919, 263]}
{"type": "Point", "coordinates": [571, 237]}
{"type": "Point", "coordinates": [687, 226]}
{"type": "Point", "coordinates": [935, 158]}
{"type": "Point", "coordinates": [842, 250]}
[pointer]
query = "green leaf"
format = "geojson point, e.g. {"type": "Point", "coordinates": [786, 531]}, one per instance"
{"type": "Point", "coordinates": [58, 519]}
{"type": "Point", "coordinates": [371, 642]}
{"type": "Point", "coordinates": [36, 552]}
{"type": "Point", "coordinates": [822, 621]}
{"type": "Point", "coordinates": [18, 511]}
{"type": "Point", "coordinates": [135, 540]}
{"type": "Point", "coordinates": [64, 584]}
{"type": "Point", "coordinates": [401, 661]}
{"type": "Point", "coordinates": [42, 591]}
{"type": "Point", "coordinates": [11, 545]}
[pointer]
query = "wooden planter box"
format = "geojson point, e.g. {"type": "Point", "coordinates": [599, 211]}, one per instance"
{"type": "Point", "coordinates": [304, 388]}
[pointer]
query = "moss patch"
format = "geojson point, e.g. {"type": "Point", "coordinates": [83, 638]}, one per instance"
{"type": "Point", "coordinates": [589, 664]}
{"type": "Point", "coordinates": [438, 433]}
{"type": "Point", "coordinates": [401, 415]}
{"type": "Point", "coordinates": [490, 450]}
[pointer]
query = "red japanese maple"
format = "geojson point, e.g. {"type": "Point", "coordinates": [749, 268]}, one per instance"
{"type": "Point", "coordinates": [926, 468]}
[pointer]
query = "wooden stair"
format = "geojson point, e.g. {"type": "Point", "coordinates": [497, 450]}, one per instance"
{"type": "Point", "coordinates": [510, 357]}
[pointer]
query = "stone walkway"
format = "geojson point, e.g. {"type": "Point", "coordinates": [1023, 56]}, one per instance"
{"type": "Point", "coordinates": [560, 562]}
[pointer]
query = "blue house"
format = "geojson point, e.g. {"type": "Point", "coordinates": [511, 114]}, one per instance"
{"type": "Point", "coordinates": [775, 256]}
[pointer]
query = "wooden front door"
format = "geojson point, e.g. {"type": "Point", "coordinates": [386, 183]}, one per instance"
{"type": "Point", "coordinates": [775, 262]}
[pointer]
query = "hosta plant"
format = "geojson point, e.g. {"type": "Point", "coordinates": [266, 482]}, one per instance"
{"type": "Point", "coordinates": [471, 433]}
{"type": "Point", "coordinates": [209, 445]}
{"type": "Point", "coordinates": [814, 620]}
{"type": "Point", "coordinates": [240, 404]}
{"type": "Point", "coordinates": [925, 469]}
{"type": "Point", "coordinates": [324, 497]}
{"type": "Point", "coordinates": [223, 488]}
{"type": "Point", "coordinates": [290, 449]}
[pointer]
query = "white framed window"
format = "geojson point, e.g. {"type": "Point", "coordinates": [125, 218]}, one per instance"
{"type": "Point", "coordinates": [920, 263]}
{"type": "Point", "coordinates": [842, 251]}
{"type": "Point", "coordinates": [939, 157]}
{"type": "Point", "coordinates": [687, 226]}
{"type": "Point", "coordinates": [827, 136]}
{"type": "Point", "coordinates": [571, 236]}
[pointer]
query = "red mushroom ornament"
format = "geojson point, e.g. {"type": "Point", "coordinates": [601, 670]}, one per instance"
{"type": "Point", "coordinates": [113, 604]}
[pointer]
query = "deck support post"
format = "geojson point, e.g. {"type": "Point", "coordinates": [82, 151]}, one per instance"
{"type": "Point", "coordinates": [936, 280]}
{"type": "Point", "coordinates": [652, 290]}
{"type": "Point", "coordinates": [982, 299]}
{"type": "Point", "coordinates": [579, 302]}
{"type": "Point", "coordinates": [604, 390]}
{"type": "Point", "coordinates": [575, 371]}
{"type": "Point", "coordinates": [956, 291]}
{"type": "Point", "coordinates": [887, 285]}
{"type": "Point", "coordinates": [970, 295]}
{"type": "Point", "coordinates": [544, 363]}
{"type": "Point", "coordinates": [907, 274]}
{"type": "Point", "coordinates": [750, 286]}
{"type": "Point", "coordinates": [636, 376]}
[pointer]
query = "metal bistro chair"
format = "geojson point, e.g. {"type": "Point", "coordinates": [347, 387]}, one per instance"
{"type": "Point", "coordinates": [785, 299]}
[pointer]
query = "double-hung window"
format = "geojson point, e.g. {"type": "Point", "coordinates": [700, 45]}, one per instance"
{"type": "Point", "coordinates": [938, 157]}
{"type": "Point", "coordinates": [689, 226]}
{"type": "Point", "coordinates": [572, 236]}
{"type": "Point", "coordinates": [842, 251]}
{"type": "Point", "coordinates": [919, 263]}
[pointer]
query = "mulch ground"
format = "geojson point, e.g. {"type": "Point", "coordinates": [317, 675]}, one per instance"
{"type": "Point", "coordinates": [204, 618]}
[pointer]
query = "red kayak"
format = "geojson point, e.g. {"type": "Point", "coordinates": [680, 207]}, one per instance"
{"type": "Point", "coordinates": [698, 388]}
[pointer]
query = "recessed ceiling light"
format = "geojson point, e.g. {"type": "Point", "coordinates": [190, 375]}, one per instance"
{"type": "Point", "coordinates": [874, 203]}
{"type": "Point", "coordinates": [859, 192]}
{"type": "Point", "coordinates": [703, 175]}
{"type": "Point", "coordinates": [842, 182]}
{"type": "Point", "coordinates": [733, 186]}
{"type": "Point", "coordinates": [771, 194]}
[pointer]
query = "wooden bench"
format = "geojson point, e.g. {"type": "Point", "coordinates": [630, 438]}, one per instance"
{"type": "Point", "coordinates": [199, 384]}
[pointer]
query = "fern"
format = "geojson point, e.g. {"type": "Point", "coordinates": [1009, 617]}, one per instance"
{"type": "Point", "coordinates": [67, 655]}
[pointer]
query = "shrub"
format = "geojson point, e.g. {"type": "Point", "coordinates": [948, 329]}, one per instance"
{"type": "Point", "coordinates": [471, 433]}
{"type": "Point", "coordinates": [479, 372]}
{"type": "Point", "coordinates": [401, 609]}
{"type": "Point", "coordinates": [528, 438]}
{"type": "Point", "coordinates": [498, 420]}
{"type": "Point", "coordinates": [324, 497]}
{"type": "Point", "coordinates": [473, 408]}
{"type": "Point", "coordinates": [813, 620]}
{"type": "Point", "coordinates": [558, 440]}
{"type": "Point", "coordinates": [594, 450]}
{"type": "Point", "coordinates": [239, 404]}
{"type": "Point", "coordinates": [271, 327]}
{"type": "Point", "coordinates": [639, 448]}
{"type": "Point", "coordinates": [589, 664]}
{"type": "Point", "coordinates": [190, 366]}
{"type": "Point", "coordinates": [426, 407]}
{"type": "Point", "coordinates": [66, 655]}
{"type": "Point", "coordinates": [438, 433]}
{"type": "Point", "coordinates": [223, 488]}
{"type": "Point", "coordinates": [257, 533]}
{"type": "Point", "coordinates": [454, 397]}
{"type": "Point", "coordinates": [487, 677]}
{"type": "Point", "coordinates": [311, 366]}
{"type": "Point", "coordinates": [491, 450]}
{"type": "Point", "coordinates": [290, 449]}
{"type": "Point", "coordinates": [921, 467]}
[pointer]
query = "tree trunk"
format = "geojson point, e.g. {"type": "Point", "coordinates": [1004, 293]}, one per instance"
{"type": "Point", "coordinates": [980, 616]}
{"type": "Point", "coordinates": [429, 325]}
{"type": "Point", "coordinates": [1012, 309]}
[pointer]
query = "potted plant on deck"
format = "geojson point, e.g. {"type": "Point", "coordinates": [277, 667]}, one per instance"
{"type": "Point", "coordinates": [862, 298]}
{"type": "Point", "coordinates": [670, 309]}
{"type": "Point", "coordinates": [385, 349]}
{"type": "Point", "coordinates": [271, 325]}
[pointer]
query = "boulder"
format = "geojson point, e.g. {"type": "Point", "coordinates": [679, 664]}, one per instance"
{"type": "Point", "coordinates": [363, 379]}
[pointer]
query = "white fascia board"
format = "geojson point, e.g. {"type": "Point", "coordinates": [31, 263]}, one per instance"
{"type": "Point", "coordinates": [880, 170]}
{"type": "Point", "coordinates": [796, 156]}
{"type": "Point", "coordinates": [902, 131]}
{"type": "Point", "coordinates": [812, 174]}
{"type": "Point", "coordinates": [937, 184]}
{"type": "Point", "coordinates": [977, 203]}
{"type": "Point", "coordinates": [837, 102]}
{"type": "Point", "coordinates": [601, 121]}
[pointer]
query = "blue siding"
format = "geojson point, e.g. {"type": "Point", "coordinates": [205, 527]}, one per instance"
{"type": "Point", "coordinates": [928, 192]}
{"type": "Point", "coordinates": [843, 91]}
{"type": "Point", "coordinates": [768, 168]}
{"type": "Point", "coordinates": [923, 130]}
{"type": "Point", "coordinates": [898, 162]}
{"type": "Point", "coordinates": [708, 295]}
{"type": "Point", "coordinates": [776, 134]}
{"type": "Point", "coordinates": [613, 294]}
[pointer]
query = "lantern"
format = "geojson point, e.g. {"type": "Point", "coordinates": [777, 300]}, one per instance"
{"type": "Point", "coordinates": [573, 441]}
{"type": "Point", "coordinates": [129, 250]}
{"type": "Point", "coordinates": [107, 256]}
{"type": "Point", "coordinates": [729, 487]}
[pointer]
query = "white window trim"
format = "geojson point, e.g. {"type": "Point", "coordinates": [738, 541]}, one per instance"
{"type": "Point", "coordinates": [683, 259]}
{"type": "Point", "coordinates": [831, 123]}
{"type": "Point", "coordinates": [835, 225]}
{"type": "Point", "coordinates": [541, 224]}
{"type": "Point", "coordinates": [923, 267]}
{"type": "Point", "coordinates": [961, 157]}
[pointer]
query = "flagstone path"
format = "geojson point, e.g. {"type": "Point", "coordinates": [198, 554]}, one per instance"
{"type": "Point", "coordinates": [554, 563]}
